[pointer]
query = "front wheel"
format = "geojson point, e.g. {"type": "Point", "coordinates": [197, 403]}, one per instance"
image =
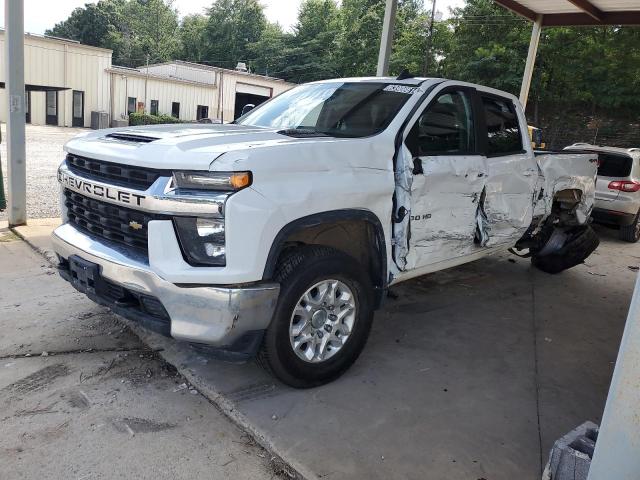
{"type": "Point", "coordinates": [579, 244]}
{"type": "Point", "coordinates": [322, 319]}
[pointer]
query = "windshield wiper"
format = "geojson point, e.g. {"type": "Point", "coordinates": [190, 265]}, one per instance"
{"type": "Point", "coordinates": [302, 132]}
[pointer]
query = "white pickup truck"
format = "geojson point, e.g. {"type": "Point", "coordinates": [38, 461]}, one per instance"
{"type": "Point", "coordinates": [279, 235]}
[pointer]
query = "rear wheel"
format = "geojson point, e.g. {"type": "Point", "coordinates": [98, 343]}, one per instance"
{"type": "Point", "coordinates": [631, 233]}
{"type": "Point", "coordinates": [579, 244]}
{"type": "Point", "coordinates": [322, 319]}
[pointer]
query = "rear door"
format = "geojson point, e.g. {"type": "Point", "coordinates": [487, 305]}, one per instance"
{"type": "Point", "coordinates": [448, 176]}
{"type": "Point", "coordinates": [508, 199]}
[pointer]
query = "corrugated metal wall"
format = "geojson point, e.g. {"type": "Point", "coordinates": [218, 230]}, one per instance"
{"type": "Point", "coordinates": [71, 66]}
{"type": "Point", "coordinates": [165, 91]}
{"type": "Point", "coordinates": [62, 64]}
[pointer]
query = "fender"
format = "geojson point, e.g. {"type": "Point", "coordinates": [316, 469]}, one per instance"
{"type": "Point", "coordinates": [333, 216]}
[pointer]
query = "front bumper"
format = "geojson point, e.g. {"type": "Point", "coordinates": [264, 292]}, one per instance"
{"type": "Point", "coordinates": [223, 317]}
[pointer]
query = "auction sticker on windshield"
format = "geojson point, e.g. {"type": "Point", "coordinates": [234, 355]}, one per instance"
{"type": "Point", "coordinates": [400, 89]}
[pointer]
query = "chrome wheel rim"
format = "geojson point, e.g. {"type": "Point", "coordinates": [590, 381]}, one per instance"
{"type": "Point", "coordinates": [322, 321]}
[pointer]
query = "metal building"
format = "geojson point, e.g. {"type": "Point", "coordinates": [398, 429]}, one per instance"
{"type": "Point", "coordinates": [65, 81]}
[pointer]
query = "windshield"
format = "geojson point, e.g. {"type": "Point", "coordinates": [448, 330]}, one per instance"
{"type": "Point", "coordinates": [334, 109]}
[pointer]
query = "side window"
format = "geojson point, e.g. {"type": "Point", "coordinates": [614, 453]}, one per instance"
{"type": "Point", "coordinates": [503, 129]}
{"type": "Point", "coordinates": [444, 128]}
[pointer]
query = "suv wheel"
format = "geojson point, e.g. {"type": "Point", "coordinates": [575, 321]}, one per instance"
{"type": "Point", "coordinates": [631, 233]}
{"type": "Point", "coordinates": [322, 319]}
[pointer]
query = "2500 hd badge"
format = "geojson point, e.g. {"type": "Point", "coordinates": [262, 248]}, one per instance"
{"type": "Point", "coordinates": [83, 186]}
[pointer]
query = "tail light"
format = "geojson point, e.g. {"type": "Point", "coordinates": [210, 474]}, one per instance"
{"type": "Point", "coordinates": [624, 185]}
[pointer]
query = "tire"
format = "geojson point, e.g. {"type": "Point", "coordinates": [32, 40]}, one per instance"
{"type": "Point", "coordinates": [298, 273]}
{"type": "Point", "coordinates": [580, 245]}
{"type": "Point", "coordinates": [631, 233]}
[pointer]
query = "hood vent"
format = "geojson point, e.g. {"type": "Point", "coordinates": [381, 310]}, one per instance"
{"type": "Point", "coordinates": [130, 137]}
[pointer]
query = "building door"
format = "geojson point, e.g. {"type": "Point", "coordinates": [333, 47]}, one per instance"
{"type": "Point", "coordinates": [78, 109]}
{"type": "Point", "coordinates": [154, 107]}
{"type": "Point", "coordinates": [175, 109]}
{"type": "Point", "coordinates": [202, 112]}
{"type": "Point", "coordinates": [52, 107]}
{"type": "Point", "coordinates": [27, 106]}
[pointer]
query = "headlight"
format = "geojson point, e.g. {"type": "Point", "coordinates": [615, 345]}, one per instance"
{"type": "Point", "coordinates": [227, 181]}
{"type": "Point", "coordinates": [202, 240]}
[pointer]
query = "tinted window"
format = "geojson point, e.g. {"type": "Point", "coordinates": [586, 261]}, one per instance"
{"type": "Point", "coordinates": [610, 165]}
{"type": "Point", "coordinates": [336, 109]}
{"type": "Point", "coordinates": [445, 127]}
{"type": "Point", "coordinates": [502, 127]}
{"type": "Point", "coordinates": [154, 107]}
{"type": "Point", "coordinates": [131, 105]}
{"type": "Point", "coordinates": [175, 109]}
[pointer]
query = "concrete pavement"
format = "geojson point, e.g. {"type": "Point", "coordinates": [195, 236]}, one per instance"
{"type": "Point", "coordinates": [470, 373]}
{"type": "Point", "coordinates": [84, 398]}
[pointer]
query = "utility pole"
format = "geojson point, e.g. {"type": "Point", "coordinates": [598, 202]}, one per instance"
{"type": "Point", "coordinates": [14, 73]}
{"type": "Point", "coordinates": [386, 39]}
{"type": "Point", "coordinates": [146, 81]}
{"type": "Point", "coordinates": [430, 39]}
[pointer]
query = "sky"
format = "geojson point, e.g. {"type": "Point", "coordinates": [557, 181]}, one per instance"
{"type": "Point", "coordinates": [42, 14]}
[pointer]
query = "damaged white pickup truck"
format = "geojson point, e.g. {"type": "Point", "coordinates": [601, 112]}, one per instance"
{"type": "Point", "coordinates": [280, 234]}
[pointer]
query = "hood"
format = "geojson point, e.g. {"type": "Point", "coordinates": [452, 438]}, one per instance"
{"type": "Point", "coordinates": [174, 146]}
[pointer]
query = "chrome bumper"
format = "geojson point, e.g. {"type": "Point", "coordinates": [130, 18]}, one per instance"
{"type": "Point", "coordinates": [217, 316]}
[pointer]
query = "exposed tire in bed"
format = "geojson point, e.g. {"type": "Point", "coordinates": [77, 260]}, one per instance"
{"type": "Point", "coordinates": [631, 233]}
{"type": "Point", "coordinates": [581, 243]}
{"type": "Point", "coordinates": [322, 319]}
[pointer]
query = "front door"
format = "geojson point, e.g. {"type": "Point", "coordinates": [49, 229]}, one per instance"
{"type": "Point", "coordinates": [78, 109]}
{"type": "Point", "coordinates": [447, 180]}
{"type": "Point", "coordinates": [52, 107]}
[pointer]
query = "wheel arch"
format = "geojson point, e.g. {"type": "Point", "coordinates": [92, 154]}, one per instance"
{"type": "Point", "coordinates": [345, 226]}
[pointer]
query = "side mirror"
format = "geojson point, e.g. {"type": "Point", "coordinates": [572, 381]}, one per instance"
{"type": "Point", "coordinates": [247, 108]}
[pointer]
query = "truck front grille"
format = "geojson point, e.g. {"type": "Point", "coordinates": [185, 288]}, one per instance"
{"type": "Point", "coordinates": [134, 177]}
{"type": "Point", "coordinates": [111, 222]}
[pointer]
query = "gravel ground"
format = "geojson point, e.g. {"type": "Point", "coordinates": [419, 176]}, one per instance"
{"type": "Point", "coordinates": [44, 154]}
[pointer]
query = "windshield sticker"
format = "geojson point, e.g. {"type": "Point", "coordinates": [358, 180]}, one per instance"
{"type": "Point", "coordinates": [400, 89]}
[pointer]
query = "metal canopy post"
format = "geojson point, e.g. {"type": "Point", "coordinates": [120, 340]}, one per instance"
{"type": "Point", "coordinates": [531, 60]}
{"type": "Point", "coordinates": [14, 71]}
{"type": "Point", "coordinates": [386, 40]}
{"type": "Point", "coordinates": [616, 454]}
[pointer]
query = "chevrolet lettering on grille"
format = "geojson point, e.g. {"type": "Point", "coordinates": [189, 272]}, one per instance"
{"type": "Point", "coordinates": [100, 191]}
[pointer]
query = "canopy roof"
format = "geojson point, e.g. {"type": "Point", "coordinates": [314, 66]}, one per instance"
{"type": "Point", "coordinates": [557, 13]}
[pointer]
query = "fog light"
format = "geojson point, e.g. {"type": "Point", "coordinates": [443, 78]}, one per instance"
{"type": "Point", "coordinates": [202, 240]}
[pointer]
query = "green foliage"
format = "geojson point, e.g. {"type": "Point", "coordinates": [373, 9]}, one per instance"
{"type": "Point", "coordinates": [587, 72]}
{"type": "Point", "coordinates": [232, 26]}
{"type": "Point", "coordinates": [136, 118]}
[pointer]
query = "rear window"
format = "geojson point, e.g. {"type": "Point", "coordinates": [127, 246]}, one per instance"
{"type": "Point", "coordinates": [503, 128]}
{"type": "Point", "coordinates": [610, 165]}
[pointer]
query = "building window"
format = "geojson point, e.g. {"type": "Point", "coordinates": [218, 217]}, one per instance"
{"type": "Point", "coordinates": [175, 109]}
{"type": "Point", "coordinates": [154, 107]}
{"type": "Point", "coordinates": [202, 112]}
{"type": "Point", "coordinates": [131, 105]}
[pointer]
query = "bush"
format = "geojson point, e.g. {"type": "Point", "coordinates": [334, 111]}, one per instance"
{"type": "Point", "coordinates": [145, 119]}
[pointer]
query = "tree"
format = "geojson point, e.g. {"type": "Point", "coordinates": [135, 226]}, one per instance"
{"type": "Point", "coordinates": [193, 42]}
{"type": "Point", "coordinates": [231, 27]}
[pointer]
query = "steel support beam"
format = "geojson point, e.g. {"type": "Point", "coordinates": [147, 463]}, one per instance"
{"type": "Point", "coordinates": [14, 72]}
{"type": "Point", "coordinates": [386, 40]}
{"type": "Point", "coordinates": [531, 60]}
{"type": "Point", "coordinates": [616, 454]}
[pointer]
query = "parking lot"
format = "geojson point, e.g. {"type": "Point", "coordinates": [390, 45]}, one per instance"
{"type": "Point", "coordinates": [470, 373]}
{"type": "Point", "coordinates": [44, 154]}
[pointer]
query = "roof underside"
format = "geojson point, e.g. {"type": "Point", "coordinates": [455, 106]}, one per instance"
{"type": "Point", "coordinates": [558, 13]}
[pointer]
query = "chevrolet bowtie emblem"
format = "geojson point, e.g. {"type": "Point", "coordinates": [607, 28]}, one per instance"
{"type": "Point", "coordinates": [135, 225]}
